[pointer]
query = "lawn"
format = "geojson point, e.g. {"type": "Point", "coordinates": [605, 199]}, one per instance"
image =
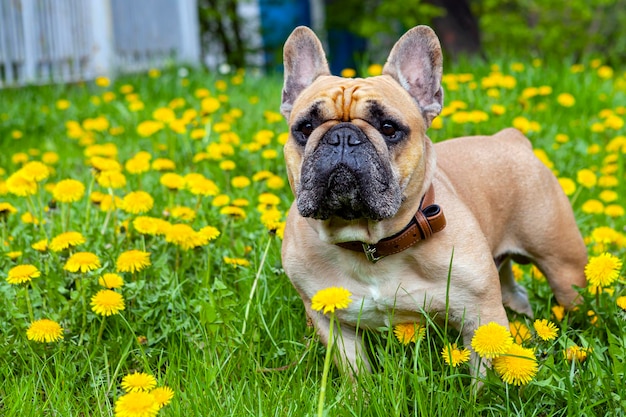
{"type": "Point", "coordinates": [158, 266]}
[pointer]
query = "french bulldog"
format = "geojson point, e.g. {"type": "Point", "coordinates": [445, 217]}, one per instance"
{"type": "Point", "coordinates": [409, 227]}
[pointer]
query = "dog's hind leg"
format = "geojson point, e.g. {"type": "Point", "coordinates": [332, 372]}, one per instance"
{"type": "Point", "coordinates": [514, 296]}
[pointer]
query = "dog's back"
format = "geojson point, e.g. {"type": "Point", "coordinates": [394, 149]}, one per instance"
{"type": "Point", "coordinates": [512, 195]}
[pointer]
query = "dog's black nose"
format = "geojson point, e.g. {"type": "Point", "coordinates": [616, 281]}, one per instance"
{"type": "Point", "coordinates": [344, 134]}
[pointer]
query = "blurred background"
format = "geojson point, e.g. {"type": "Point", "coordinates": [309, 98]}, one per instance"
{"type": "Point", "coordinates": [67, 40]}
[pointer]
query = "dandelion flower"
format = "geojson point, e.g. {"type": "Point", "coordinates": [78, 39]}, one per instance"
{"type": "Point", "coordinates": [68, 191]}
{"type": "Point", "coordinates": [234, 212]}
{"type": "Point", "coordinates": [209, 232]}
{"type": "Point", "coordinates": [163, 395]}
{"type": "Point", "coordinates": [236, 261]}
{"type": "Point", "coordinates": [35, 171]}
{"type": "Point", "coordinates": [566, 99]}
{"type": "Point", "coordinates": [136, 404]}
{"type": "Point", "coordinates": [621, 302]}
{"type": "Point", "coordinates": [40, 245]}
{"type": "Point", "coordinates": [546, 330]}
{"type": "Point", "coordinates": [587, 178]}
{"type": "Point", "coordinates": [22, 273]}
{"type": "Point", "coordinates": [454, 356]}
{"type": "Point", "coordinates": [576, 353]}
{"type": "Point", "coordinates": [331, 299]}
{"type": "Point", "coordinates": [491, 340]}
{"type": "Point", "coordinates": [150, 225]}
{"type": "Point", "coordinates": [172, 181]}
{"type": "Point", "coordinates": [519, 331]}
{"type": "Point", "coordinates": [132, 261]}
{"type": "Point", "coordinates": [111, 280]}
{"type": "Point", "coordinates": [107, 303]}
{"type": "Point", "coordinates": [138, 381]}
{"type": "Point", "coordinates": [163, 164]}
{"type": "Point", "coordinates": [137, 202]}
{"type": "Point", "coordinates": [603, 270]}
{"type": "Point", "coordinates": [6, 209]}
{"type": "Point", "coordinates": [66, 240]}
{"type": "Point", "coordinates": [82, 262]}
{"type": "Point", "coordinates": [111, 179]}
{"type": "Point", "coordinates": [20, 186]}
{"type": "Point", "coordinates": [518, 366]}
{"type": "Point", "coordinates": [184, 213]}
{"type": "Point", "coordinates": [44, 330]}
{"type": "Point", "coordinates": [184, 236]}
{"type": "Point", "coordinates": [409, 332]}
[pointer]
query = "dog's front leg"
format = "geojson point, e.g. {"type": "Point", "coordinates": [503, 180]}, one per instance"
{"type": "Point", "coordinates": [348, 350]}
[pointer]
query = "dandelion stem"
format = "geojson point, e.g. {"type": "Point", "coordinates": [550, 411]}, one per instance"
{"type": "Point", "coordinates": [101, 330]}
{"type": "Point", "coordinates": [254, 285]}
{"type": "Point", "coordinates": [83, 297]}
{"type": "Point", "coordinates": [87, 205]}
{"type": "Point", "coordinates": [327, 359]}
{"type": "Point", "coordinates": [29, 305]}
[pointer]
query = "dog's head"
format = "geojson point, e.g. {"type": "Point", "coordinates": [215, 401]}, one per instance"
{"type": "Point", "coordinates": [356, 145]}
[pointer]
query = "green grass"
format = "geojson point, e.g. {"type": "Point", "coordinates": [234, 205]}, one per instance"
{"type": "Point", "coordinates": [189, 307]}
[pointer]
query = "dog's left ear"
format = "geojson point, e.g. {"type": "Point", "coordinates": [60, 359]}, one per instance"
{"type": "Point", "coordinates": [415, 62]}
{"type": "Point", "coordinates": [304, 60]}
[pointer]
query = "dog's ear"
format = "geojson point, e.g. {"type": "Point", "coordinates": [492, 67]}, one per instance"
{"type": "Point", "coordinates": [415, 61]}
{"type": "Point", "coordinates": [304, 61]}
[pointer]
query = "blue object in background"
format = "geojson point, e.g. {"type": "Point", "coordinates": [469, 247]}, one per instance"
{"type": "Point", "coordinates": [278, 19]}
{"type": "Point", "coordinates": [344, 50]}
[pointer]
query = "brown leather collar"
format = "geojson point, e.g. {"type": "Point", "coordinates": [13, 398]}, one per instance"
{"type": "Point", "coordinates": [429, 219]}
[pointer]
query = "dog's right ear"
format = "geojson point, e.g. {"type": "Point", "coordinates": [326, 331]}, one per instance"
{"type": "Point", "coordinates": [304, 60]}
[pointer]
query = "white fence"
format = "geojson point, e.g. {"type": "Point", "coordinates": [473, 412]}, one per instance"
{"type": "Point", "coordinates": [44, 41]}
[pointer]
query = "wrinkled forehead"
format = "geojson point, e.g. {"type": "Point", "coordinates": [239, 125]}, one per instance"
{"type": "Point", "coordinates": [345, 99]}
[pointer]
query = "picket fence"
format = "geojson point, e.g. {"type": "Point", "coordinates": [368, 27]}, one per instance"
{"type": "Point", "coordinates": [45, 41]}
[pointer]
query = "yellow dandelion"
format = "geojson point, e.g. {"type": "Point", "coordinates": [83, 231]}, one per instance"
{"type": "Point", "coordinates": [136, 404]}
{"type": "Point", "coordinates": [240, 182]}
{"type": "Point", "coordinates": [568, 185]}
{"type": "Point", "coordinates": [184, 213]}
{"type": "Point", "coordinates": [66, 240]}
{"type": "Point", "coordinates": [454, 356]}
{"type": "Point", "coordinates": [137, 202]}
{"type": "Point", "coordinates": [236, 261]}
{"type": "Point", "coordinates": [20, 185]}
{"type": "Point", "coordinates": [44, 330]}
{"type": "Point", "coordinates": [233, 211]}
{"type": "Point", "coordinates": [331, 299]}
{"type": "Point", "coordinates": [137, 165]}
{"type": "Point", "coordinates": [491, 340]}
{"type": "Point", "coordinates": [107, 303]}
{"type": "Point", "coordinates": [35, 171]}
{"type": "Point", "coordinates": [22, 273]}
{"type": "Point", "coordinates": [163, 164]}
{"type": "Point", "coordinates": [587, 178]}
{"type": "Point", "coordinates": [518, 366]}
{"type": "Point", "coordinates": [138, 381]}
{"type": "Point", "coordinates": [82, 262]}
{"type": "Point", "coordinates": [172, 181]}
{"type": "Point", "coordinates": [68, 191]}
{"type": "Point", "coordinates": [558, 312]}
{"type": "Point", "coordinates": [132, 261]}
{"type": "Point", "coordinates": [576, 353]}
{"type": "Point", "coordinates": [209, 232]}
{"type": "Point", "coordinates": [111, 280]}
{"type": "Point", "coordinates": [111, 179]}
{"type": "Point", "coordinates": [546, 330]}
{"type": "Point", "coordinates": [6, 209]}
{"type": "Point", "coordinates": [408, 332]}
{"type": "Point", "coordinates": [163, 395]}
{"type": "Point", "coordinates": [151, 225]}
{"type": "Point", "coordinates": [13, 255]}
{"type": "Point", "coordinates": [520, 332]}
{"type": "Point", "coordinates": [592, 206]}
{"type": "Point", "coordinates": [566, 99]}
{"type": "Point", "coordinates": [621, 302]}
{"type": "Point", "coordinates": [603, 270]}
{"type": "Point", "coordinates": [40, 245]}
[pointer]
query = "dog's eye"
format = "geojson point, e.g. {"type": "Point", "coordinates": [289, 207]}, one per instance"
{"type": "Point", "coordinates": [306, 128]}
{"type": "Point", "coordinates": [389, 129]}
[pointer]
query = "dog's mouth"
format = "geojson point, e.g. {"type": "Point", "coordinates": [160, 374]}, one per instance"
{"type": "Point", "coordinates": [346, 180]}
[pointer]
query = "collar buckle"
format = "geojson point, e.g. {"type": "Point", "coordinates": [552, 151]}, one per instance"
{"type": "Point", "coordinates": [370, 253]}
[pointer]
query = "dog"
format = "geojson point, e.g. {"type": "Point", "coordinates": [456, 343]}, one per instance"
{"type": "Point", "coordinates": [409, 227]}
